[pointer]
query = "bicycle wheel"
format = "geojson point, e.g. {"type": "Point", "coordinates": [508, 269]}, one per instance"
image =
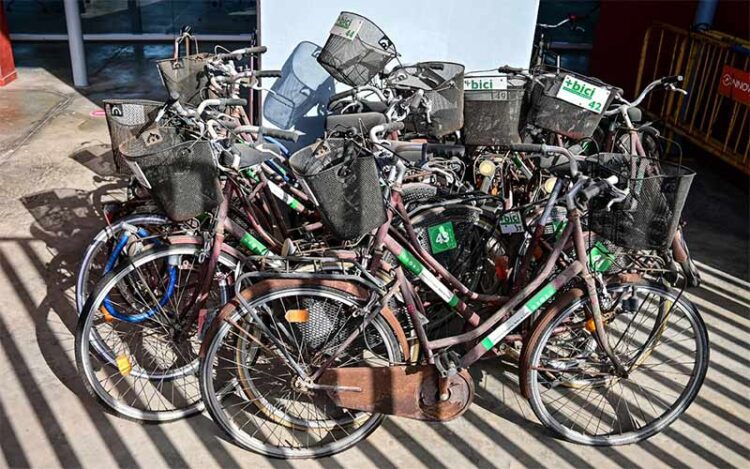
{"type": "Point", "coordinates": [253, 393]}
{"type": "Point", "coordinates": [104, 252]}
{"type": "Point", "coordinates": [127, 353]}
{"type": "Point", "coordinates": [658, 336]}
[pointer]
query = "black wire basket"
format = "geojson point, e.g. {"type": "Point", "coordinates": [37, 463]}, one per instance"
{"type": "Point", "coordinates": [187, 77]}
{"type": "Point", "coordinates": [494, 109]}
{"type": "Point", "coordinates": [650, 215]}
{"type": "Point", "coordinates": [569, 104]}
{"type": "Point", "coordinates": [127, 118]}
{"type": "Point", "coordinates": [356, 50]}
{"type": "Point", "coordinates": [443, 86]}
{"type": "Point", "coordinates": [344, 185]}
{"type": "Point", "coordinates": [180, 172]}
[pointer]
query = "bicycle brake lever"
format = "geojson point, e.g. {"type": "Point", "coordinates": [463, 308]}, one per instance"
{"type": "Point", "coordinates": [620, 198]}
{"type": "Point", "coordinates": [672, 87]}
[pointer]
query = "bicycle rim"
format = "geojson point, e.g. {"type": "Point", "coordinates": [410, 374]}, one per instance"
{"type": "Point", "coordinates": [658, 336]}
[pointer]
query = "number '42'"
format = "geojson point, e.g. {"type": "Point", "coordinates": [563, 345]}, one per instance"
{"type": "Point", "coordinates": [595, 106]}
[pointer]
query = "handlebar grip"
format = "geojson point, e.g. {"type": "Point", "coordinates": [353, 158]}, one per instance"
{"type": "Point", "coordinates": [672, 79]}
{"type": "Point", "coordinates": [255, 50]}
{"type": "Point", "coordinates": [343, 94]}
{"type": "Point", "coordinates": [393, 126]}
{"type": "Point", "coordinates": [233, 101]}
{"type": "Point", "coordinates": [444, 150]}
{"type": "Point", "coordinates": [509, 69]}
{"type": "Point", "coordinates": [593, 190]}
{"type": "Point", "coordinates": [268, 74]}
{"type": "Point", "coordinates": [526, 147]}
{"type": "Point", "coordinates": [246, 51]}
{"type": "Point", "coordinates": [278, 133]}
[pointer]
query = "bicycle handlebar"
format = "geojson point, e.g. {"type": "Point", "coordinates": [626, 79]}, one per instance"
{"type": "Point", "coordinates": [509, 69]}
{"type": "Point", "coordinates": [268, 74]}
{"type": "Point", "coordinates": [542, 148]}
{"type": "Point", "coordinates": [342, 95]}
{"type": "Point", "coordinates": [220, 102]}
{"type": "Point", "coordinates": [668, 82]}
{"type": "Point", "coordinates": [240, 52]}
{"type": "Point", "coordinates": [290, 135]}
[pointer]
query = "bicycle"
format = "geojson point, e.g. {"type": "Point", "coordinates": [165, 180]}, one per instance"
{"type": "Point", "coordinates": [436, 387]}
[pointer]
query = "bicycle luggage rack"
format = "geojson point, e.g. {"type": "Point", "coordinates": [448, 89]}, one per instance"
{"type": "Point", "coordinates": [290, 267]}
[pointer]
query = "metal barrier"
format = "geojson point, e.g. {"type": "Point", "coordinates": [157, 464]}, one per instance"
{"type": "Point", "coordinates": [714, 114]}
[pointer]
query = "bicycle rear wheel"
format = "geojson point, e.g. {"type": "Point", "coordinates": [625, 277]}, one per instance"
{"type": "Point", "coordinates": [658, 336]}
{"type": "Point", "coordinates": [127, 353]}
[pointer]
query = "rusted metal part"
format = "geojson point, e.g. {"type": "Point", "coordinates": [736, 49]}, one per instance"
{"type": "Point", "coordinates": [404, 391]}
{"type": "Point", "coordinates": [629, 277]}
{"type": "Point", "coordinates": [390, 318]}
{"type": "Point", "coordinates": [677, 250]}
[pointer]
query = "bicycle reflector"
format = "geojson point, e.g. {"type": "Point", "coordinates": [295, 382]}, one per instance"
{"type": "Point", "coordinates": [297, 315]}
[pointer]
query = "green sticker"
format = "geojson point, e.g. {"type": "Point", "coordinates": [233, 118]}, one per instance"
{"type": "Point", "coordinates": [600, 259]}
{"type": "Point", "coordinates": [442, 237]}
{"type": "Point", "coordinates": [252, 243]}
{"type": "Point", "coordinates": [410, 262]}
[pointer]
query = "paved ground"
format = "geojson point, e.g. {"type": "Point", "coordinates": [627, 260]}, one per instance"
{"type": "Point", "coordinates": [51, 154]}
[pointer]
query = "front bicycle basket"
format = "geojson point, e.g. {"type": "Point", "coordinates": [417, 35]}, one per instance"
{"type": "Point", "coordinates": [569, 104]}
{"type": "Point", "coordinates": [187, 77]}
{"type": "Point", "coordinates": [494, 109]}
{"type": "Point", "coordinates": [443, 86]}
{"type": "Point", "coordinates": [344, 185]}
{"type": "Point", "coordinates": [650, 215]}
{"type": "Point", "coordinates": [127, 118]}
{"type": "Point", "coordinates": [356, 50]}
{"type": "Point", "coordinates": [180, 172]}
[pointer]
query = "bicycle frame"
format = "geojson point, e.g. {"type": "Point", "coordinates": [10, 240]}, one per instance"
{"type": "Point", "coordinates": [486, 330]}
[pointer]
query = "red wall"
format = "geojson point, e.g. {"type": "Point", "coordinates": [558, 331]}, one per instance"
{"type": "Point", "coordinates": [623, 24]}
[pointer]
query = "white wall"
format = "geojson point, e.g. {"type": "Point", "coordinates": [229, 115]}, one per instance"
{"type": "Point", "coordinates": [481, 34]}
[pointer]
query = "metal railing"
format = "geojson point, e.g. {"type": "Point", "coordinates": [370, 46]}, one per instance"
{"type": "Point", "coordinates": [714, 114]}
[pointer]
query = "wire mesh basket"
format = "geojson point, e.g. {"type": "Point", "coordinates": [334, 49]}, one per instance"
{"type": "Point", "coordinates": [180, 173]}
{"type": "Point", "coordinates": [127, 118]}
{"type": "Point", "coordinates": [356, 50]}
{"type": "Point", "coordinates": [650, 215]}
{"type": "Point", "coordinates": [187, 77]}
{"type": "Point", "coordinates": [344, 185]}
{"type": "Point", "coordinates": [569, 104]}
{"type": "Point", "coordinates": [443, 86]}
{"type": "Point", "coordinates": [494, 109]}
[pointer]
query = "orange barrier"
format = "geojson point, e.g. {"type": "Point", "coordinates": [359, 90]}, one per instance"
{"type": "Point", "coordinates": [714, 115]}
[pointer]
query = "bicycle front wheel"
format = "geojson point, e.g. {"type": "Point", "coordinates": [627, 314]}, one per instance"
{"type": "Point", "coordinates": [127, 352]}
{"type": "Point", "coordinates": [254, 394]}
{"type": "Point", "coordinates": [656, 334]}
